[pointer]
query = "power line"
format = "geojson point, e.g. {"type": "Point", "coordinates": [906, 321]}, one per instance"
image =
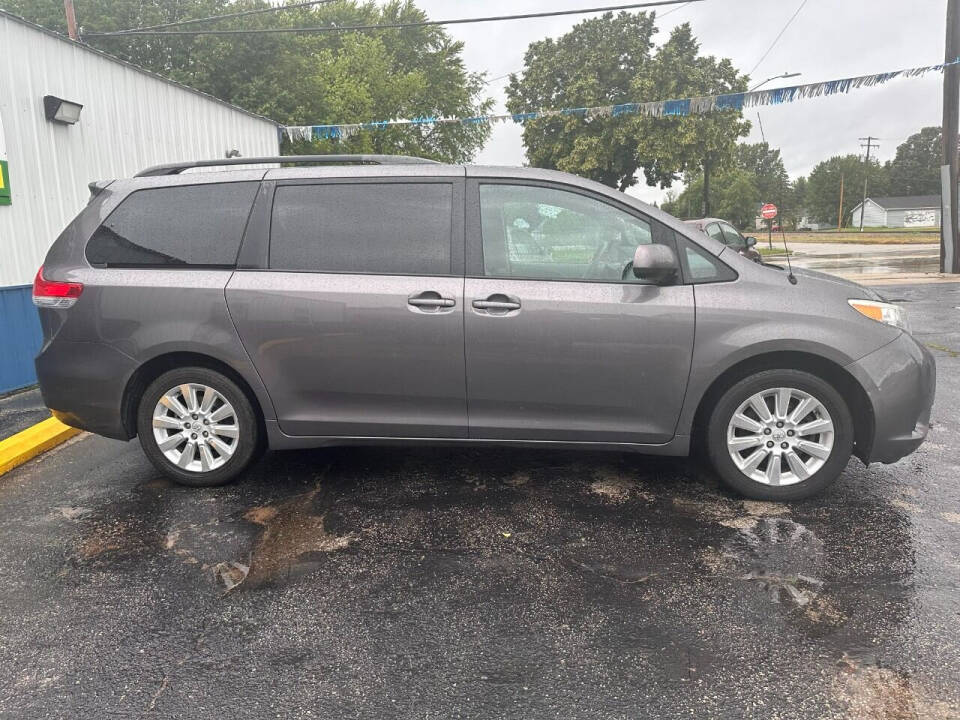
{"type": "Point", "coordinates": [777, 38]}
{"type": "Point", "coordinates": [393, 26]}
{"type": "Point", "coordinates": [214, 18]}
{"type": "Point", "coordinates": [676, 8]}
{"type": "Point", "coordinates": [500, 77]}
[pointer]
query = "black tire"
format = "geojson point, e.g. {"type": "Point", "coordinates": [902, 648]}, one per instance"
{"type": "Point", "coordinates": [739, 393]}
{"type": "Point", "coordinates": [249, 440]}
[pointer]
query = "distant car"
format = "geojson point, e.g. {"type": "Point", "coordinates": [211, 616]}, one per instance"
{"type": "Point", "coordinates": [727, 234]}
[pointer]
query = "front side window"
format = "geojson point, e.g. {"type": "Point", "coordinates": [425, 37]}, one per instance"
{"type": "Point", "coordinates": [544, 233]}
{"type": "Point", "coordinates": [182, 226]}
{"type": "Point", "coordinates": [383, 228]}
{"type": "Point", "coordinates": [700, 266]}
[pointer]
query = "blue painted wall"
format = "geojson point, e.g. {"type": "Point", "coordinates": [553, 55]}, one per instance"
{"type": "Point", "coordinates": [20, 337]}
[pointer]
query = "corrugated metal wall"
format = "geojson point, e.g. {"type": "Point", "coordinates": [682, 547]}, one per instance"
{"type": "Point", "coordinates": [130, 120]}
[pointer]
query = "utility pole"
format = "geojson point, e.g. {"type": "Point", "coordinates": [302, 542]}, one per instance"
{"type": "Point", "coordinates": [71, 19]}
{"type": "Point", "coordinates": [705, 208]}
{"type": "Point", "coordinates": [866, 172]}
{"type": "Point", "coordinates": [840, 209]}
{"type": "Point", "coordinates": [949, 171]}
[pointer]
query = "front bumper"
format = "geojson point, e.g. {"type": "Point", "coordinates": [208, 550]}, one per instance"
{"type": "Point", "coordinates": [900, 380]}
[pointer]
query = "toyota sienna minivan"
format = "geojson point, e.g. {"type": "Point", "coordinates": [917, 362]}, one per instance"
{"type": "Point", "coordinates": [352, 300]}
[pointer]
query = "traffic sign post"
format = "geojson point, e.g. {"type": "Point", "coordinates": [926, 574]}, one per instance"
{"type": "Point", "coordinates": [768, 212]}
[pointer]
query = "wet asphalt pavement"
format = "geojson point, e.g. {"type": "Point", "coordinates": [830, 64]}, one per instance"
{"type": "Point", "coordinates": [20, 410]}
{"type": "Point", "coordinates": [495, 583]}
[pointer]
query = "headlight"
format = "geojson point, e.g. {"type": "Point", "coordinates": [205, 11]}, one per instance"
{"type": "Point", "coordinates": [881, 312]}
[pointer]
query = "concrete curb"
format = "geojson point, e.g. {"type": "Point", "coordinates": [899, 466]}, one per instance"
{"type": "Point", "coordinates": [27, 444]}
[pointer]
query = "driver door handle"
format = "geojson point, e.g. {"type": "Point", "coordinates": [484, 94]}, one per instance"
{"type": "Point", "coordinates": [431, 302]}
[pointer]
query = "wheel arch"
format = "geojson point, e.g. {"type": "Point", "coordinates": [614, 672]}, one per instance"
{"type": "Point", "coordinates": [853, 393]}
{"type": "Point", "coordinates": [153, 368]}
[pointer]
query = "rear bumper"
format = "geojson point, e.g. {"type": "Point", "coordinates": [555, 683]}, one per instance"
{"type": "Point", "coordinates": [900, 380]}
{"type": "Point", "coordinates": [82, 384]}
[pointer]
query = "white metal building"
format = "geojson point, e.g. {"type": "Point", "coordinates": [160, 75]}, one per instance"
{"type": "Point", "coordinates": [899, 212]}
{"type": "Point", "coordinates": [130, 119]}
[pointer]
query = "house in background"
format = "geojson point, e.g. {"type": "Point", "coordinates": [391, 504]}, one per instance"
{"type": "Point", "coordinates": [70, 115]}
{"type": "Point", "coordinates": [912, 211]}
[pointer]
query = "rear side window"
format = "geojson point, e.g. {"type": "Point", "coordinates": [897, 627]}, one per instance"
{"type": "Point", "coordinates": [714, 231]}
{"type": "Point", "coordinates": [175, 227]}
{"type": "Point", "coordinates": [386, 228]}
{"type": "Point", "coordinates": [731, 236]}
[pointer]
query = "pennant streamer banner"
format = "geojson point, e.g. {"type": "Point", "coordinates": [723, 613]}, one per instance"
{"type": "Point", "coordinates": [660, 108]}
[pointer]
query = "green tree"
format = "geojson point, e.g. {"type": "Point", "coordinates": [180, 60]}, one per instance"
{"type": "Point", "coordinates": [916, 168]}
{"type": "Point", "coordinates": [606, 61]}
{"type": "Point", "coordinates": [823, 186]}
{"type": "Point", "coordinates": [736, 198]}
{"type": "Point", "coordinates": [768, 171]}
{"type": "Point", "coordinates": [675, 145]}
{"type": "Point", "coordinates": [593, 64]}
{"type": "Point", "coordinates": [326, 78]}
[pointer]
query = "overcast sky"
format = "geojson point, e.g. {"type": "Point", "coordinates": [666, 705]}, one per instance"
{"type": "Point", "coordinates": [829, 39]}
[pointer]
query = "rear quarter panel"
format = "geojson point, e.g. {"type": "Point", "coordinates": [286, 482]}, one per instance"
{"type": "Point", "coordinates": [146, 313]}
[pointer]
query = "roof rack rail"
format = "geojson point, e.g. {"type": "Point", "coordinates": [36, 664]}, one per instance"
{"type": "Point", "coordinates": [177, 168]}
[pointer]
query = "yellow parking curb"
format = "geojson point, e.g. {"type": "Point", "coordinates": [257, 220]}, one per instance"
{"type": "Point", "coordinates": [29, 443]}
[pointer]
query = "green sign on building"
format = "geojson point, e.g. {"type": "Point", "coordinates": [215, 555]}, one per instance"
{"type": "Point", "coordinates": [4, 183]}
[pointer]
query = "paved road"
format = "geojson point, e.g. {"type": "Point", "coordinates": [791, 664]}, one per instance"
{"type": "Point", "coordinates": [449, 583]}
{"type": "Point", "coordinates": [862, 262]}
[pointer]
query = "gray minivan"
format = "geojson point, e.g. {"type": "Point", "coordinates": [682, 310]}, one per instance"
{"type": "Point", "coordinates": [382, 299]}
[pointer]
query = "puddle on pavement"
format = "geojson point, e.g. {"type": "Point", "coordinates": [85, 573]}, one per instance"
{"type": "Point", "coordinates": [295, 535]}
{"type": "Point", "coordinates": [871, 692]}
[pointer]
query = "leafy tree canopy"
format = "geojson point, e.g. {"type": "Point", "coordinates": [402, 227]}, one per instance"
{"type": "Point", "coordinates": [610, 60]}
{"type": "Point", "coordinates": [753, 174]}
{"type": "Point", "coordinates": [823, 186]}
{"type": "Point", "coordinates": [769, 173]}
{"type": "Point", "coordinates": [734, 198]}
{"type": "Point", "coordinates": [305, 79]}
{"type": "Point", "coordinates": [916, 168]}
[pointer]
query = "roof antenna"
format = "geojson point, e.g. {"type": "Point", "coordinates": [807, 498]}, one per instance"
{"type": "Point", "coordinates": [791, 277]}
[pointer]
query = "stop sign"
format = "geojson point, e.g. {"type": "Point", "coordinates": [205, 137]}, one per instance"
{"type": "Point", "coordinates": [768, 211]}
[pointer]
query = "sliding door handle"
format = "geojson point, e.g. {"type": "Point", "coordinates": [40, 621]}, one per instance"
{"type": "Point", "coordinates": [496, 305]}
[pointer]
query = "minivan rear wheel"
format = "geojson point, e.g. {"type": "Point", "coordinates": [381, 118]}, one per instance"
{"type": "Point", "coordinates": [780, 435]}
{"type": "Point", "coordinates": [197, 427]}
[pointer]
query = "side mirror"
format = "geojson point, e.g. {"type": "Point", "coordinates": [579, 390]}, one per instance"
{"type": "Point", "coordinates": [751, 241]}
{"type": "Point", "coordinates": [656, 263]}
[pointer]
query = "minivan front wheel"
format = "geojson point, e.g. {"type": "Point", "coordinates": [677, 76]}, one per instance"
{"type": "Point", "coordinates": [780, 435]}
{"type": "Point", "coordinates": [197, 426]}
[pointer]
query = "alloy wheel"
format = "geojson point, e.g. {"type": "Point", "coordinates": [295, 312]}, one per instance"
{"type": "Point", "coordinates": [196, 427]}
{"type": "Point", "coordinates": [780, 436]}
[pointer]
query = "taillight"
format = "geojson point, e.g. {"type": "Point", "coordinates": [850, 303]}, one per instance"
{"type": "Point", "coordinates": [53, 294]}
